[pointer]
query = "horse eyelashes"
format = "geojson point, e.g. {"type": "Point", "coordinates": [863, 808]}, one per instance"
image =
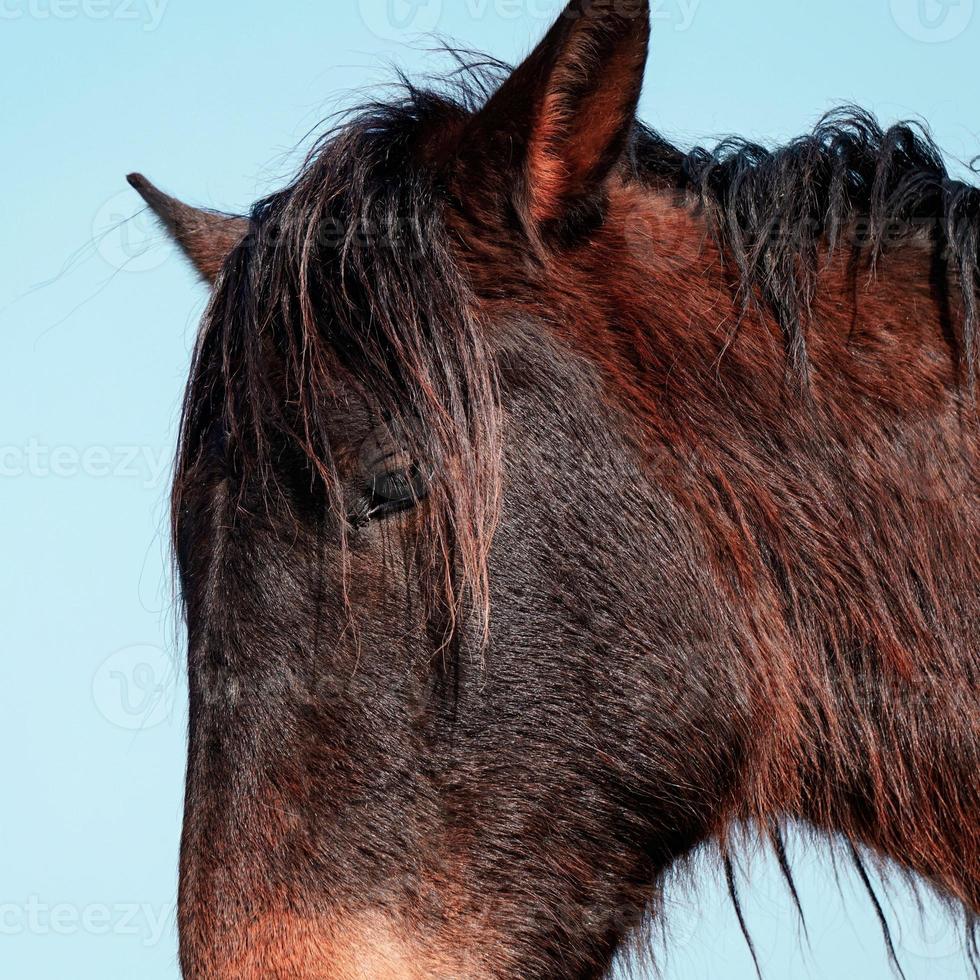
{"type": "Point", "coordinates": [392, 487]}
{"type": "Point", "coordinates": [388, 493]}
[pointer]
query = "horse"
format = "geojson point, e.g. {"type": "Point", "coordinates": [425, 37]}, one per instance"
{"type": "Point", "coordinates": [552, 503]}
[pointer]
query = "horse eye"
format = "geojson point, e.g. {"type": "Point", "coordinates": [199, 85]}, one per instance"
{"type": "Point", "coordinates": [393, 491]}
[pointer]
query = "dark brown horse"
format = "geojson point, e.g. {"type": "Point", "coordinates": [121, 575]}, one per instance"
{"type": "Point", "coordinates": [551, 502]}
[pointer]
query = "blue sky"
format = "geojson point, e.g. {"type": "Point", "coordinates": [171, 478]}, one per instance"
{"type": "Point", "coordinates": [97, 321]}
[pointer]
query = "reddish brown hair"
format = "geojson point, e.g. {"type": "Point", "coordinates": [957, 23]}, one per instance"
{"type": "Point", "coordinates": [700, 440]}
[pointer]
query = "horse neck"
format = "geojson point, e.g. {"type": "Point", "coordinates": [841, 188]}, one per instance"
{"type": "Point", "coordinates": [842, 521]}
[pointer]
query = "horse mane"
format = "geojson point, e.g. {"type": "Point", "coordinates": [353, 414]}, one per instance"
{"type": "Point", "coordinates": [348, 282]}
{"type": "Point", "coordinates": [774, 211]}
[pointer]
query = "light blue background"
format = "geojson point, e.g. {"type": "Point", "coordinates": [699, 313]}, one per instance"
{"type": "Point", "coordinates": [97, 322]}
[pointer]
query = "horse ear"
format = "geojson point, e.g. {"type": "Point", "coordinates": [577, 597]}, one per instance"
{"type": "Point", "coordinates": [563, 118]}
{"type": "Point", "coordinates": [206, 237]}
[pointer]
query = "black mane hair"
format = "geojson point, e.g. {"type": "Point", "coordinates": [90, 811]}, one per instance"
{"type": "Point", "coordinates": [849, 181]}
